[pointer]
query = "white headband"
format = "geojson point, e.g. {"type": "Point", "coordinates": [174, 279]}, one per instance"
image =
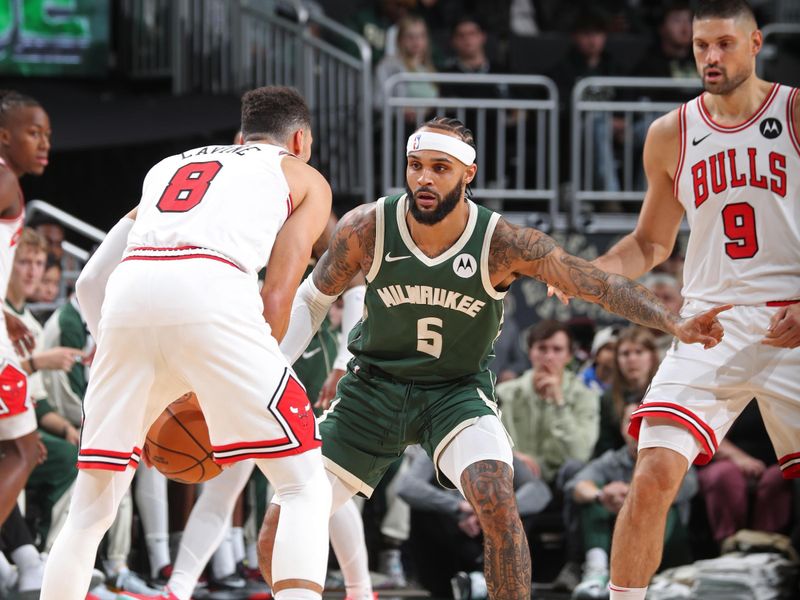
{"type": "Point", "coordinates": [427, 140]}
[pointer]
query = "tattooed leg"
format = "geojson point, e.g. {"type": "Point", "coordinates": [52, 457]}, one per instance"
{"type": "Point", "coordinates": [488, 485]}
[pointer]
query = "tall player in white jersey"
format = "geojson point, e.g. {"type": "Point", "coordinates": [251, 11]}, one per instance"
{"type": "Point", "coordinates": [730, 161]}
{"type": "Point", "coordinates": [182, 311]}
{"type": "Point", "coordinates": [24, 148]}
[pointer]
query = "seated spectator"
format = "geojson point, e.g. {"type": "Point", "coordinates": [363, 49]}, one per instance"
{"type": "Point", "coordinates": [599, 489]}
{"type": "Point", "coordinates": [445, 532]}
{"type": "Point", "coordinates": [53, 477]}
{"type": "Point", "coordinates": [636, 361]}
{"type": "Point", "coordinates": [672, 56]}
{"type": "Point", "coordinates": [549, 414]}
{"type": "Point", "coordinates": [588, 57]}
{"type": "Point", "coordinates": [668, 290]}
{"type": "Point", "coordinates": [50, 285]}
{"type": "Point", "coordinates": [413, 56]}
{"type": "Point", "coordinates": [468, 41]}
{"type": "Point", "coordinates": [742, 486]}
{"type": "Point", "coordinates": [377, 23]}
{"type": "Point", "coordinates": [599, 371]}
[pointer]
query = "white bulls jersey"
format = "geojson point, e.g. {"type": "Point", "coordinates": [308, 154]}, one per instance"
{"type": "Point", "coordinates": [10, 231]}
{"type": "Point", "coordinates": [224, 202]}
{"type": "Point", "coordinates": [740, 187]}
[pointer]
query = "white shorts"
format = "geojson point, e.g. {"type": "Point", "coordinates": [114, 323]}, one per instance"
{"type": "Point", "coordinates": [704, 391]}
{"type": "Point", "coordinates": [17, 416]}
{"type": "Point", "coordinates": [190, 325]}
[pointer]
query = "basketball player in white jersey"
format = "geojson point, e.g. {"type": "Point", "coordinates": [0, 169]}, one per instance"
{"type": "Point", "coordinates": [24, 148]}
{"type": "Point", "coordinates": [182, 312]}
{"type": "Point", "coordinates": [730, 161]}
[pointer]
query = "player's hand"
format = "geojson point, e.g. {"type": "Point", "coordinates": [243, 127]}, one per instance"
{"type": "Point", "coordinates": [749, 466]}
{"type": "Point", "coordinates": [328, 391]}
{"type": "Point", "coordinates": [146, 457]}
{"type": "Point", "coordinates": [42, 450]}
{"type": "Point", "coordinates": [72, 435]}
{"type": "Point", "coordinates": [470, 525]}
{"type": "Point", "coordinates": [613, 496]}
{"type": "Point", "coordinates": [784, 328]}
{"type": "Point", "coordinates": [60, 358]}
{"type": "Point", "coordinates": [552, 291]}
{"type": "Point", "coordinates": [703, 328]}
{"type": "Point", "coordinates": [19, 334]}
{"type": "Point", "coordinates": [530, 462]}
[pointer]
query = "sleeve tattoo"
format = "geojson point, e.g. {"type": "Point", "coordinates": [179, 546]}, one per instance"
{"type": "Point", "coordinates": [351, 249]}
{"type": "Point", "coordinates": [526, 251]}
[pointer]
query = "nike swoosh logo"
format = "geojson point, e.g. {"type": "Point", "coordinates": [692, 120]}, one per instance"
{"type": "Point", "coordinates": [695, 141]}
{"type": "Point", "coordinates": [390, 258]}
{"type": "Point", "coordinates": [311, 353]}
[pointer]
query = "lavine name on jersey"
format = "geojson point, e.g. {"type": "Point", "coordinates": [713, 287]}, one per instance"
{"type": "Point", "coordinates": [736, 169]}
{"type": "Point", "coordinates": [395, 295]}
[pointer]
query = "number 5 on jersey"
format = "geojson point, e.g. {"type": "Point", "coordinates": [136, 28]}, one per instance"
{"type": "Point", "coordinates": [429, 341]}
{"type": "Point", "coordinates": [188, 186]}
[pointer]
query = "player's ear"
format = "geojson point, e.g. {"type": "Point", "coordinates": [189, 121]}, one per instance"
{"type": "Point", "coordinates": [469, 174]}
{"type": "Point", "coordinates": [756, 41]}
{"type": "Point", "coordinates": [5, 136]}
{"type": "Point", "coordinates": [296, 142]}
{"type": "Point", "coordinates": [238, 139]}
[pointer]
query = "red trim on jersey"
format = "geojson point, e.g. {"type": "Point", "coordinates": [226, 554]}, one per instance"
{"type": "Point", "coordinates": [790, 120]}
{"type": "Point", "coordinates": [263, 451]}
{"type": "Point", "coordinates": [790, 466]}
{"type": "Point", "coordinates": [85, 461]}
{"type": "Point", "coordinates": [779, 303]}
{"type": "Point", "coordinates": [177, 256]}
{"type": "Point", "coordinates": [682, 416]}
{"type": "Point", "coordinates": [682, 153]}
{"type": "Point", "coordinates": [736, 128]}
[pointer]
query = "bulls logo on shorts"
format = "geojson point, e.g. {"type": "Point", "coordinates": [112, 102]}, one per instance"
{"type": "Point", "coordinates": [293, 409]}
{"type": "Point", "coordinates": [13, 391]}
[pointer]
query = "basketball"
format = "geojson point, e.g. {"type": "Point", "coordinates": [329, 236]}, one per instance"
{"type": "Point", "coordinates": [178, 444]}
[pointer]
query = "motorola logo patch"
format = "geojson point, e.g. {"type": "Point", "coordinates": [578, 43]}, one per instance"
{"type": "Point", "coordinates": [465, 265]}
{"type": "Point", "coordinates": [770, 128]}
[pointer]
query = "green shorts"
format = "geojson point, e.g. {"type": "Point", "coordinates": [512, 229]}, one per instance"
{"type": "Point", "coordinates": [374, 417]}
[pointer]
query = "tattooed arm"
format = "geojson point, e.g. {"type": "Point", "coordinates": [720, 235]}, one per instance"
{"type": "Point", "coordinates": [350, 251]}
{"type": "Point", "coordinates": [522, 251]}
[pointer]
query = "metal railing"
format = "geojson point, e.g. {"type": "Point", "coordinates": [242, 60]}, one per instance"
{"type": "Point", "coordinates": [76, 255]}
{"type": "Point", "coordinates": [521, 133]}
{"type": "Point", "coordinates": [607, 138]}
{"type": "Point", "coordinates": [228, 46]}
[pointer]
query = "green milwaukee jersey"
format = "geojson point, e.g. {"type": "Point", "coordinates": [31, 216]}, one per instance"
{"type": "Point", "coordinates": [428, 319]}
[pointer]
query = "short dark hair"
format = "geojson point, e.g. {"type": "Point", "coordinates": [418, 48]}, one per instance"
{"type": "Point", "coordinates": [673, 7]}
{"type": "Point", "coordinates": [10, 100]}
{"type": "Point", "coordinates": [723, 9]}
{"type": "Point", "coordinates": [274, 112]}
{"type": "Point", "coordinates": [467, 18]}
{"type": "Point", "coordinates": [546, 329]}
{"type": "Point", "coordinates": [453, 126]}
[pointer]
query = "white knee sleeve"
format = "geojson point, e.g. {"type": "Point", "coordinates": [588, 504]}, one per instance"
{"type": "Point", "coordinates": [486, 439]}
{"type": "Point", "coordinates": [301, 539]}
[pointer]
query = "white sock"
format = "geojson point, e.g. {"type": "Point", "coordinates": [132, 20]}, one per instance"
{"type": "Point", "coordinates": [30, 567]}
{"type": "Point", "coordinates": [237, 543]}
{"type": "Point", "coordinates": [151, 501]}
{"type": "Point", "coordinates": [347, 539]}
{"type": "Point", "coordinates": [597, 559]}
{"type": "Point", "coordinates": [297, 594]}
{"type": "Point", "coordinates": [222, 563]}
{"type": "Point", "coordinates": [6, 570]}
{"type": "Point", "coordinates": [251, 557]}
{"type": "Point", "coordinates": [622, 593]}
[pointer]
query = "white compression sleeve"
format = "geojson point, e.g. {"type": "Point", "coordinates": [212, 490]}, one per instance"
{"type": "Point", "coordinates": [91, 285]}
{"type": "Point", "coordinates": [308, 310]}
{"type": "Point", "coordinates": [353, 300]}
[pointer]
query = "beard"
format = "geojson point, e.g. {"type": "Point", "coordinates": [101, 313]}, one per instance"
{"type": "Point", "coordinates": [443, 208]}
{"type": "Point", "coordinates": [725, 85]}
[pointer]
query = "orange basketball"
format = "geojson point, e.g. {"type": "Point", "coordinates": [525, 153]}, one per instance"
{"type": "Point", "coordinates": [178, 444]}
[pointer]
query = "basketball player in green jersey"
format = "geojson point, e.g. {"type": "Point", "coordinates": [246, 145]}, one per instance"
{"type": "Point", "coordinates": [437, 267]}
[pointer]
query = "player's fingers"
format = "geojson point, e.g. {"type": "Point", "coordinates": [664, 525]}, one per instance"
{"type": "Point", "coordinates": [777, 317]}
{"type": "Point", "coordinates": [779, 329]}
{"type": "Point", "coordinates": [713, 312]}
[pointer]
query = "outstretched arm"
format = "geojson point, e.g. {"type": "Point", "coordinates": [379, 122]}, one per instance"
{"type": "Point", "coordinates": [518, 251]}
